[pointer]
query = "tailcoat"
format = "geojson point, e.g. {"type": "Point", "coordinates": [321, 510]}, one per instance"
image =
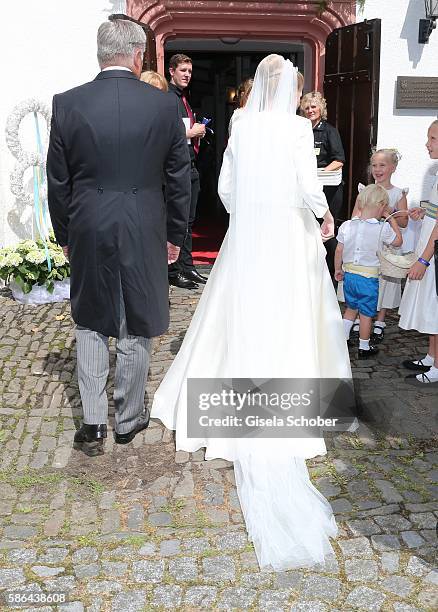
{"type": "Point", "coordinates": [113, 142]}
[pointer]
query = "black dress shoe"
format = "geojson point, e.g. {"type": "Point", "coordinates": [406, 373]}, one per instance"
{"type": "Point", "coordinates": [194, 276]}
{"type": "Point", "coordinates": [128, 437]}
{"type": "Point", "coordinates": [181, 281]}
{"type": "Point", "coordinates": [366, 354]}
{"type": "Point", "coordinates": [416, 365]}
{"type": "Point", "coordinates": [89, 439]}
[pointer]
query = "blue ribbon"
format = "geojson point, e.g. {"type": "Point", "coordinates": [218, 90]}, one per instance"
{"type": "Point", "coordinates": [40, 206]}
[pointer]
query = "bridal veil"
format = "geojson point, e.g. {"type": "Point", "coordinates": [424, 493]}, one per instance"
{"type": "Point", "coordinates": [268, 311]}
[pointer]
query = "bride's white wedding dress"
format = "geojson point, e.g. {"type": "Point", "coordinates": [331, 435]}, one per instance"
{"type": "Point", "coordinates": [268, 310]}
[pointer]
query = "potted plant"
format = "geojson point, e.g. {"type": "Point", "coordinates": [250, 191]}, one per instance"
{"type": "Point", "coordinates": [31, 278]}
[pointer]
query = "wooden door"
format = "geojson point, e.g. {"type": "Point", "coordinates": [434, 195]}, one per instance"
{"type": "Point", "coordinates": [351, 88]}
{"type": "Point", "coordinates": [150, 56]}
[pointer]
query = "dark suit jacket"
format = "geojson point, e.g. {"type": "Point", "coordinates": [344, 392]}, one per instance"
{"type": "Point", "coordinates": [111, 142]}
{"type": "Point", "coordinates": [178, 93]}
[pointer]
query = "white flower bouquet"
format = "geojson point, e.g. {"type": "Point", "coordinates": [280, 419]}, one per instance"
{"type": "Point", "coordinates": [25, 267]}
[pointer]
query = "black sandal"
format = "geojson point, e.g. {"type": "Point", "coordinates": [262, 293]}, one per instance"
{"type": "Point", "coordinates": [425, 380]}
{"type": "Point", "coordinates": [415, 364]}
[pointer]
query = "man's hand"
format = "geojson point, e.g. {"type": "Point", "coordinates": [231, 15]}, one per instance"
{"type": "Point", "coordinates": [416, 213]}
{"type": "Point", "coordinates": [339, 275]}
{"type": "Point", "coordinates": [65, 251]}
{"type": "Point", "coordinates": [417, 270]}
{"type": "Point", "coordinates": [196, 131]}
{"type": "Point", "coordinates": [172, 253]}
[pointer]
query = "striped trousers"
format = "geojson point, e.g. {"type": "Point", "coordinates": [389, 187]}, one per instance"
{"type": "Point", "coordinates": [132, 365]}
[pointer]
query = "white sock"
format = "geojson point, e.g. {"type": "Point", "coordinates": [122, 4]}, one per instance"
{"type": "Point", "coordinates": [427, 361]}
{"type": "Point", "coordinates": [432, 374]}
{"type": "Point", "coordinates": [364, 344]}
{"type": "Point", "coordinates": [347, 327]}
{"type": "Point", "coordinates": [379, 326]}
{"type": "Point", "coordinates": [356, 325]}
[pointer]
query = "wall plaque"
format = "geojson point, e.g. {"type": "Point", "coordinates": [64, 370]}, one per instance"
{"type": "Point", "coordinates": [417, 92]}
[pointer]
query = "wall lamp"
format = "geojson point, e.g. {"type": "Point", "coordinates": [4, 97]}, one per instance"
{"type": "Point", "coordinates": [426, 26]}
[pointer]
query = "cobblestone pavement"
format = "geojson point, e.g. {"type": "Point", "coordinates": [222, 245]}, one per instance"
{"type": "Point", "coordinates": [145, 528]}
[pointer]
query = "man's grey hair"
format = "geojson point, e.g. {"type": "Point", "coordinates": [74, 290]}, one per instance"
{"type": "Point", "coordinates": [117, 42]}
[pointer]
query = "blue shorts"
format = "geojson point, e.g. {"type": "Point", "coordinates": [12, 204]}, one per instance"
{"type": "Point", "coordinates": [361, 293]}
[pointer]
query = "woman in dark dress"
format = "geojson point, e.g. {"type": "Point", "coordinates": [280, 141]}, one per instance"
{"type": "Point", "coordinates": [330, 156]}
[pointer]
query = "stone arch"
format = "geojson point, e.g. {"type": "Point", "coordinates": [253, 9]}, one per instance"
{"type": "Point", "coordinates": [275, 20]}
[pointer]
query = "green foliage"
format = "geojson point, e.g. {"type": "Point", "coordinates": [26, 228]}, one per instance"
{"type": "Point", "coordinates": [136, 540]}
{"type": "Point", "coordinates": [26, 264]}
{"type": "Point", "coordinates": [30, 478]}
{"type": "Point", "coordinates": [93, 486]}
{"type": "Point", "coordinates": [90, 539]}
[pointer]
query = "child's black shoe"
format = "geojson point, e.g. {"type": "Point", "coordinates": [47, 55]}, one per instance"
{"type": "Point", "coordinates": [354, 333]}
{"type": "Point", "coordinates": [366, 354]}
{"type": "Point", "coordinates": [378, 337]}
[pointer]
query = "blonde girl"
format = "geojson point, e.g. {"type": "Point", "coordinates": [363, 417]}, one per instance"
{"type": "Point", "coordinates": [383, 164]}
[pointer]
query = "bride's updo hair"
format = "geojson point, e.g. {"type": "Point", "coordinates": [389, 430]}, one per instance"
{"type": "Point", "coordinates": [271, 67]}
{"type": "Point", "coordinates": [274, 64]}
{"type": "Point", "coordinates": [274, 88]}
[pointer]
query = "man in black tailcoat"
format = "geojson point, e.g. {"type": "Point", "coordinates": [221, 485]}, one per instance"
{"type": "Point", "coordinates": [112, 140]}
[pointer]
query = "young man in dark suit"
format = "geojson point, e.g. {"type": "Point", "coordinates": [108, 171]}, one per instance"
{"type": "Point", "coordinates": [183, 273]}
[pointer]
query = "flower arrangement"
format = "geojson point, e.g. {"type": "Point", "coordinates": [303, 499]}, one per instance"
{"type": "Point", "coordinates": [26, 264]}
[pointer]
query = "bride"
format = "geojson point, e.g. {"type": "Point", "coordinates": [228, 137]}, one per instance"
{"type": "Point", "coordinates": [268, 310]}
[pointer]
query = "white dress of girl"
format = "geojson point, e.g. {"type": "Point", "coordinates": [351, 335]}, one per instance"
{"type": "Point", "coordinates": [419, 305]}
{"type": "Point", "coordinates": [390, 288]}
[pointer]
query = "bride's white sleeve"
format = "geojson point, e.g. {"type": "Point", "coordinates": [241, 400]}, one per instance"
{"type": "Point", "coordinates": [225, 183]}
{"type": "Point", "coordinates": [305, 163]}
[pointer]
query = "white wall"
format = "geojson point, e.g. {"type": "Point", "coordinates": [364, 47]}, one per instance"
{"type": "Point", "coordinates": [48, 46]}
{"type": "Point", "coordinates": [402, 55]}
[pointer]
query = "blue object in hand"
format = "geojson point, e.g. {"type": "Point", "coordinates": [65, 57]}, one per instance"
{"type": "Point", "coordinates": [205, 121]}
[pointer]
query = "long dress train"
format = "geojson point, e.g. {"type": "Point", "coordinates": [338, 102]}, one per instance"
{"type": "Point", "coordinates": [287, 519]}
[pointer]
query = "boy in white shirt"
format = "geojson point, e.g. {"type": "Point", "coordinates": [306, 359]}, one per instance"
{"type": "Point", "coordinates": [357, 263]}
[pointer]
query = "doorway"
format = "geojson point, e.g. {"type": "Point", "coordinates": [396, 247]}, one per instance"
{"type": "Point", "coordinates": [218, 70]}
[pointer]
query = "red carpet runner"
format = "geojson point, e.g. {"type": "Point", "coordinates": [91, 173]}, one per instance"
{"type": "Point", "coordinates": [207, 239]}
